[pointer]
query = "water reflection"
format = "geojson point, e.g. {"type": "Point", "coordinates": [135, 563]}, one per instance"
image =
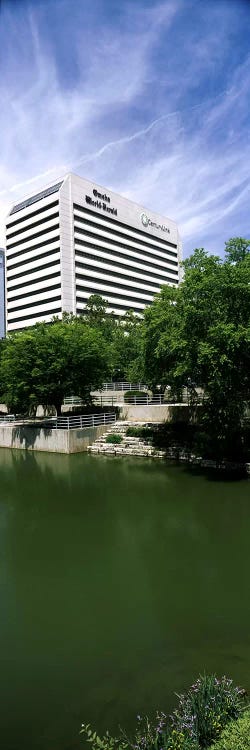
{"type": "Point", "coordinates": [120, 581]}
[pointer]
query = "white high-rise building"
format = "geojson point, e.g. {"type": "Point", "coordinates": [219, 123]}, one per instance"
{"type": "Point", "coordinates": [74, 239]}
{"type": "Point", "coordinates": [2, 293]}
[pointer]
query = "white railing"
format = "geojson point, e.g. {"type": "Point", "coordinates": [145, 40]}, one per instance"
{"type": "Point", "coordinates": [8, 418]}
{"type": "Point", "coordinates": [109, 400]}
{"type": "Point", "coordinates": [72, 401]}
{"type": "Point", "coordinates": [124, 387]}
{"type": "Point", "coordinates": [137, 400]}
{"type": "Point", "coordinates": [82, 420]}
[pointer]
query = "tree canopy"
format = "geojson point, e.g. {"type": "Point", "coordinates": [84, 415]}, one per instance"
{"type": "Point", "coordinates": [43, 364]}
{"type": "Point", "coordinates": [198, 336]}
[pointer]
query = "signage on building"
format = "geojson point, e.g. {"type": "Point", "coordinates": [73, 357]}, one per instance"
{"type": "Point", "coordinates": [148, 223]}
{"type": "Point", "coordinates": [100, 200]}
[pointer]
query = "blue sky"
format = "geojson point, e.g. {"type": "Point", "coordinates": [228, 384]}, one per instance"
{"type": "Point", "coordinates": [148, 98]}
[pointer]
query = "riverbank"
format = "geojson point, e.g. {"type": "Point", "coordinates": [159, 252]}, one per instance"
{"type": "Point", "coordinates": [212, 715]}
{"type": "Point", "coordinates": [132, 444]}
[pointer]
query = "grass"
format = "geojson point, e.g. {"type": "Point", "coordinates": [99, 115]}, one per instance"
{"type": "Point", "coordinates": [114, 438]}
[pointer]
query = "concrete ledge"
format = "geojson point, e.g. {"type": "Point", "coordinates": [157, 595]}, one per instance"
{"type": "Point", "coordinates": [25, 437]}
{"type": "Point", "coordinates": [156, 412]}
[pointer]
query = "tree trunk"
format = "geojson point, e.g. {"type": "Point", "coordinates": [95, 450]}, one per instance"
{"type": "Point", "coordinates": [58, 407]}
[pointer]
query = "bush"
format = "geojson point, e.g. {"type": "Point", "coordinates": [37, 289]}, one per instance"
{"type": "Point", "coordinates": [207, 707]}
{"type": "Point", "coordinates": [143, 432]}
{"type": "Point", "coordinates": [129, 395]}
{"type": "Point", "coordinates": [236, 736]}
{"type": "Point", "coordinates": [113, 438]}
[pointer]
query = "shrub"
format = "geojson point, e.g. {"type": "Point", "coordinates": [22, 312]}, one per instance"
{"type": "Point", "coordinates": [207, 707]}
{"type": "Point", "coordinates": [113, 438]}
{"type": "Point", "coordinates": [143, 432]}
{"type": "Point", "coordinates": [199, 719]}
{"type": "Point", "coordinates": [107, 742]}
{"type": "Point", "coordinates": [129, 395]}
{"type": "Point", "coordinates": [236, 736]}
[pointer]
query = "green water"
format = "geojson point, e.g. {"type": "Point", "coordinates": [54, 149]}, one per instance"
{"type": "Point", "coordinates": [120, 581]}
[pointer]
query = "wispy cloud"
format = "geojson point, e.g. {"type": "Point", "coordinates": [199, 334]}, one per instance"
{"type": "Point", "coordinates": [152, 101]}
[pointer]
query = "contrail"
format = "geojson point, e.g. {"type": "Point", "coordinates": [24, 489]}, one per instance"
{"type": "Point", "coordinates": [111, 144]}
{"type": "Point", "coordinates": [129, 138]}
{"type": "Point", "coordinates": [30, 180]}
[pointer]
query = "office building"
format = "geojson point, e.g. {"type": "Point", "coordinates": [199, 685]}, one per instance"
{"type": "Point", "coordinates": [74, 239]}
{"type": "Point", "coordinates": [2, 294]}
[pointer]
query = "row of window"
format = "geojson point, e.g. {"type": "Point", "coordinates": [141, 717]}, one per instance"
{"type": "Point", "coordinates": [123, 226]}
{"type": "Point", "coordinates": [31, 215]}
{"type": "Point", "coordinates": [123, 236]}
{"type": "Point", "coordinates": [32, 271]}
{"type": "Point", "coordinates": [32, 293]}
{"type": "Point", "coordinates": [37, 302]}
{"type": "Point", "coordinates": [31, 316]}
{"type": "Point", "coordinates": [112, 295]}
{"type": "Point", "coordinates": [31, 237]}
{"type": "Point", "coordinates": [131, 270]}
{"type": "Point", "coordinates": [117, 254]}
{"type": "Point", "coordinates": [35, 257]}
{"type": "Point", "coordinates": [114, 306]}
{"type": "Point", "coordinates": [28, 284]}
{"type": "Point", "coordinates": [35, 224]}
{"type": "Point", "coordinates": [138, 289]}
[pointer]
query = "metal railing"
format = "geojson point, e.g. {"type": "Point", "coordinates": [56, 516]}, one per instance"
{"type": "Point", "coordinates": [124, 387]}
{"type": "Point", "coordinates": [76, 421]}
{"type": "Point", "coordinates": [8, 418]}
{"type": "Point", "coordinates": [137, 400]}
{"type": "Point", "coordinates": [103, 400]}
{"type": "Point", "coordinates": [72, 401]}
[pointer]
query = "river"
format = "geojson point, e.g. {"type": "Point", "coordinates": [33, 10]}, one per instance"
{"type": "Point", "coordinates": [120, 581]}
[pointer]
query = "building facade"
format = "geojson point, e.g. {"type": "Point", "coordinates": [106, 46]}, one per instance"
{"type": "Point", "coordinates": [2, 294]}
{"type": "Point", "coordinates": [74, 239]}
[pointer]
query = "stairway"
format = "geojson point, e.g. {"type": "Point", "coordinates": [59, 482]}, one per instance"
{"type": "Point", "coordinates": [130, 446]}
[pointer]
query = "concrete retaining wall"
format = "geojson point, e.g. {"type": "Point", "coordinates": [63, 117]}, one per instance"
{"type": "Point", "coordinates": [53, 441]}
{"type": "Point", "coordinates": [155, 413]}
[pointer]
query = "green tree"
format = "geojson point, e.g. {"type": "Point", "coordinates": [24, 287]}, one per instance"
{"type": "Point", "coordinates": [126, 348]}
{"type": "Point", "coordinates": [96, 310]}
{"type": "Point", "coordinates": [45, 363]}
{"type": "Point", "coordinates": [199, 336]}
{"type": "Point", "coordinates": [237, 249]}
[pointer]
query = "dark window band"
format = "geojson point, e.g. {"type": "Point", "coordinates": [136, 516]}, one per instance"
{"type": "Point", "coordinates": [30, 260]}
{"type": "Point", "coordinates": [35, 315]}
{"type": "Point", "coordinates": [32, 214]}
{"type": "Point", "coordinates": [130, 270]}
{"type": "Point", "coordinates": [117, 255]}
{"type": "Point", "coordinates": [114, 306]}
{"type": "Point", "coordinates": [131, 301]}
{"type": "Point", "coordinates": [35, 292]}
{"type": "Point", "coordinates": [106, 282]}
{"type": "Point", "coordinates": [31, 271]}
{"type": "Point", "coordinates": [123, 225]}
{"type": "Point", "coordinates": [28, 283]}
{"type": "Point", "coordinates": [123, 236]}
{"type": "Point", "coordinates": [34, 304]}
{"type": "Point", "coordinates": [32, 226]}
{"type": "Point", "coordinates": [32, 237]}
